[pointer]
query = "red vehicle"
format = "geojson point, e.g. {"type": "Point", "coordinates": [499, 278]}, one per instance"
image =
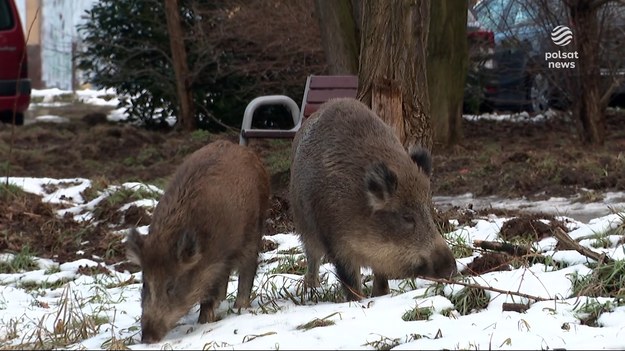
{"type": "Point", "coordinates": [15, 86]}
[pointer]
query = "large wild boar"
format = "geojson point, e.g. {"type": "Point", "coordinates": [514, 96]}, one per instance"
{"type": "Point", "coordinates": [208, 222]}
{"type": "Point", "coordinates": [359, 198]}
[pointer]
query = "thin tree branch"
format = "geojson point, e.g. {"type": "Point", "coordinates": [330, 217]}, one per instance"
{"type": "Point", "coordinates": [567, 240]}
{"type": "Point", "coordinates": [489, 288]}
{"type": "Point", "coordinates": [511, 249]}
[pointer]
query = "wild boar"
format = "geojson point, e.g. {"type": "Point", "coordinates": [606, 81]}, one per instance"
{"type": "Point", "coordinates": [208, 222]}
{"type": "Point", "coordinates": [359, 198]}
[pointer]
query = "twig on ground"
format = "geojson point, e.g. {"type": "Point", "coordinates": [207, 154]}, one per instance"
{"type": "Point", "coordinates": [564, 238]}
{"type": "Point", "coordinates": [515, 250]}
{"type": "Point", "coordinates": [515, 307]}
{"type": "Point", "coordinates": [511, 249]}
{"type": "Point", "coordinates": [477, 286]}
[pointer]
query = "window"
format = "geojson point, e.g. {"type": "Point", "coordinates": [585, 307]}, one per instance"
{"type": "Point", "coordinates": [6, 15]}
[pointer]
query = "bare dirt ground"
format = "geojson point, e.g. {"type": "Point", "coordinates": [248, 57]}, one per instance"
{"type": "Point", "coordinates": [534, 160]}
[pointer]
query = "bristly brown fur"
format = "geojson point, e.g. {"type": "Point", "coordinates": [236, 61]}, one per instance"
{"type": "Point", "coordinates": [359, 198]}
{"type": "Point", "coordinates": [209, 222]}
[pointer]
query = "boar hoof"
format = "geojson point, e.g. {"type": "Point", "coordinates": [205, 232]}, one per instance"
{"type": "Point", "coordinates": [311, 281]}
{"type": "Point", "coordinates": [241, 303]}
{"type": "Point", "coordinates": [380, 286]}
{"type": "Point", "coordinates": [206, 317]}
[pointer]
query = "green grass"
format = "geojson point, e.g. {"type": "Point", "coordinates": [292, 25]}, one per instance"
{"type": "Point", "coordinates": [318, 322]}
{"type": "Point", "coordinates": [590, 311]}
{"type": "Point", "coordinates": [470, 300]}
{"type": "Point", "coordinates": [98, 185]}
{"type": "Point", "coordinates": [291, 264]}
{"type": "Point", "coordinates": [606, 280]}
{"type": "Point", "coordinates": [384, 343]}
{"type": "Point", "coordinates": [52, 269]}
{"type": "Point", "coordinates": [43, 285]}
{"type": "Point", "coordinates": [418, 314]}
{"type": "Point", "coordinates": [459, 246]}
{"type": "Point", "coordinates": [123, 195]}
{"type": "Point", "coordinates": [279, 160]}
{"type": "Point", "coordinates": [201, 135]}
{"type": "Point", "coordinates": [107, 209]}
{"type": "Point", "coordinates": [10, 191]}
{"type": "Point", "coordinates": [22, 261]}
{"type": "Point", "coordinates": [602, 242]}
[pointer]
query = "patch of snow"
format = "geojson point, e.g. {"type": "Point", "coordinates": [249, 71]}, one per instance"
{"type": "Point", "coordinates": [51, 119]}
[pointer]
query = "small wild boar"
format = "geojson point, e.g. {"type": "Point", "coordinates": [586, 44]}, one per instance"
{"type": "Point", "coordinates": [208, 222]}
{"type": "Point", "coordinates": [359, 198]}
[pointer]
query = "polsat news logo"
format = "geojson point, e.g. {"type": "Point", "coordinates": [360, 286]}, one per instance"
{"type": "Point", "coordinates": [561, 36]}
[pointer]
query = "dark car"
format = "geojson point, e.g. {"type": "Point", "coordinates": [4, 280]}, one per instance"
{"type": "Point", "coordinates": [15, 87]}
{"type": "Point", "coordinates": [535, 56]}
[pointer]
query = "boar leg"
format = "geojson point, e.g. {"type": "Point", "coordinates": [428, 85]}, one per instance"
{"type": "Point", "coordinates": [350, 278]}
{"type": "Point", "coordinates": [380, 285]}
{"type": "Point", "coordinates": [215, 295]}
{"type": "Point", "coordinates": [313, 260]}
{"type": "Point", "coordinates": [247, 272]}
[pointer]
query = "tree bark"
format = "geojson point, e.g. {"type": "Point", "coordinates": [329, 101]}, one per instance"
{"type": "Point", "coordinates": [447, 68]}
{"type": "Point", "coordinates": [588, 109]}
{"type": "Point", "coordinates": [392, 71]}
{"type": "Point", "coordinates": [338, 35]}
{"type": "Point", "coordinates": [186, 116]}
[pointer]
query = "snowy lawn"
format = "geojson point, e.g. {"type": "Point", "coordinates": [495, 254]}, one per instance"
{"type": "Point", "coordinates": [86, 304]}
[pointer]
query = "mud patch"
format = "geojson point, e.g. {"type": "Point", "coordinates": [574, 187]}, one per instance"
{"type": "Point", "coordinates": [529, 227]}
{"type": "Point", "coordinates": [26, 221]}
{"type": "Point", "coordinates": [268, 245]}
{"type": "Point", "coordinates": [136, 216]}
{"type": "Point", "coordinates": [489, 262]}
{"type": "Point", "coordinates": [94, 270]}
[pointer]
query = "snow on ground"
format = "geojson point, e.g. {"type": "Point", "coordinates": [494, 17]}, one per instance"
{"type": "Point", "coordinates": [55, 97]}
{"type": "Point", "coordinates": [515, 117]}
{"type": "Point", "coordinates": [278, 319]}
{"type": "Point", "coordinates": [570, 207]}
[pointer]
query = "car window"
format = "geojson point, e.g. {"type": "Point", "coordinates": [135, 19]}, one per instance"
{"type": "Point", "coordinates": [6, 18]}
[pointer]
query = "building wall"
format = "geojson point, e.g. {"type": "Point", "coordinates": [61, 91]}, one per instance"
{"type": "Point", "coordinates": [53, 39]}
{"type": "Point", "coordinates": [59, 38]}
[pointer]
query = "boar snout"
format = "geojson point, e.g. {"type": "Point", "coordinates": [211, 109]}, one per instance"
{"type": "Point", "coordinates": [438, 262]}
{"type": "Point", "coordinates": [444, 263]}
{"type": "Point", "coordinates": [153, 332]}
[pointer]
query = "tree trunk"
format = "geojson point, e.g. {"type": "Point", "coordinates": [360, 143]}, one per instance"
{"type": "Point", "coordinates": [447, 68]}
{"type": "Point", "coordinates": [589, 109]}
{"type": "Point", "coordinates": [392, 76]}
{"type": "Point", "coordinates": [186, 116]}
{"type": "Point", "coordinates": [338, 35]}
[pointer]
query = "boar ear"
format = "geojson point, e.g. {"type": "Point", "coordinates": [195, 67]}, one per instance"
{"type": "Point", "coordinates": [187, 250]}
{"type": "Point", "coordinates": [134, 246]}
{"type": "Point", "coordinates": [381, 183]}
{"type": "Point", "coordinates": [422, 158]}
